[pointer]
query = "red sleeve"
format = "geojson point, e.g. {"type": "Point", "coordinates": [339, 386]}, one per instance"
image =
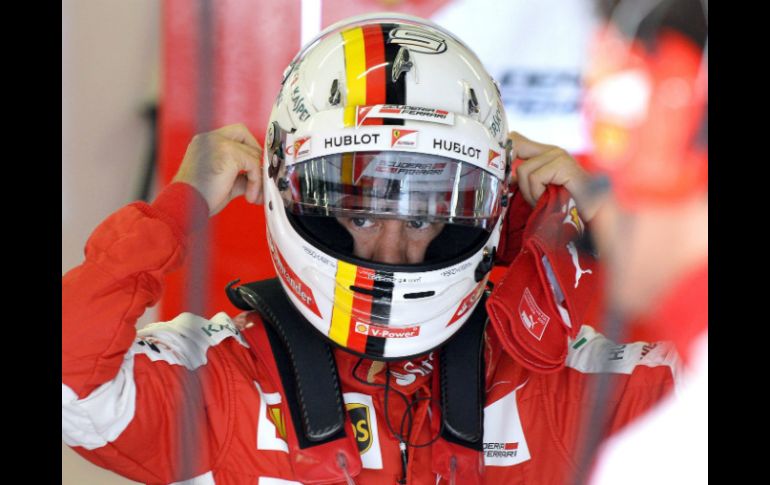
{"type": "Point", "coordinates": [126, 258]}
{"type": "Point", "coordinates": [133, 404]}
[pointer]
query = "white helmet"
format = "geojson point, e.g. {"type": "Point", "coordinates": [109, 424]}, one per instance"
{"type": "Point", "coordinates": [385, 115]}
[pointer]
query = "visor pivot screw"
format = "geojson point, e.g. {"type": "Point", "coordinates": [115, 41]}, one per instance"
{"type": "Point", "coordinates": [273, 139]}
{"type": "Point", "coordinates": [283, 184]}
{"type": "Point", "coordinates": [334, 96]}
{"type": "Point", "coordinates": [274, 150]}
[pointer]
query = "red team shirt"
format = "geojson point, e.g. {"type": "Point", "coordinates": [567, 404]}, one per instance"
{"type": "Point", "coordinates": [199, 401]}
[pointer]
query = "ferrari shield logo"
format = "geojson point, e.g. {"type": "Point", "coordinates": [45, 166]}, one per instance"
{"type": "Point", "coordinates": [362, 426]}
{"type": "Point", "coordinates": [403, 138]}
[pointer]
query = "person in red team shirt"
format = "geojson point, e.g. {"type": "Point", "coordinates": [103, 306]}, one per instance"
{"type": "Point", "coordinates": [648, 107]}
{"type": "Point", "coordinates": [379, 353]}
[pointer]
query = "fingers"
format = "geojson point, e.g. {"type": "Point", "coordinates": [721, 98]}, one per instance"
{"type": "Point", "coordinates": [528, 185]}
{"type": "Point", "coordinates": [254, 191]}
{"type": "Point", "coordinates": [534, 155]}
{"type": "Point", "coordinates": [251, 168]}
{"type": "Point", "coordinates": [249, 176]}
{"type": "Point", "coordinates": [239, 187]}
{"type": "Point", "coordinates": [559, 171]}
{"type": "Point", "coordinates": [238, 132]}
{"type": "Point", "coordinates": [247, 158]}
{"type": "Point", "coordinates": [525, 148]}
{"type": "Point", "coordinates": [545, 165]}
{"type": "Point", "coordinates": [223, 164]}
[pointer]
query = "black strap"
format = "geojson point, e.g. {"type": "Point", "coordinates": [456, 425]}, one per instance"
{"type": "Point", "coordinates": [305, 362]}
{"type": "Point", "coordinates": [462, 382]}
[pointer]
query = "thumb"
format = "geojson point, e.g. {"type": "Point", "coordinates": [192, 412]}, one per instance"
{"type": "Point", "coordinates": [251, 173]}
{"type": "Point", "coordinates": [254, 191]}
{"type": "Point", "coordinates": [525, 148]}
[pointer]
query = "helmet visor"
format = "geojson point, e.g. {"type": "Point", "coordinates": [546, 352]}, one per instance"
{"type": "Point", "coordinates": [402, 185]}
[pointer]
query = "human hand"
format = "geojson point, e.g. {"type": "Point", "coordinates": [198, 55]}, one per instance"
{"type": "Point", "coordinates": [222, 165]}
{"type": "Point", "coordinates": [548, 164]}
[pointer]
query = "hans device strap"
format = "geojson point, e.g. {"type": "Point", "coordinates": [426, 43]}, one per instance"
{"type": "Point", "coordinates": [462, 382]}
{"type": "Point", "coordinates": [309, 372]}
{"type": "Point", "coordinates": [306, 363]}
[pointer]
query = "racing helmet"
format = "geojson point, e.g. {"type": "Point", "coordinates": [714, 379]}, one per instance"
{"type": "Point", "coordinates": [385, 116]}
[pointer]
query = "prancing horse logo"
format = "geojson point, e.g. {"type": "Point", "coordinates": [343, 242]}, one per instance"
{"type": "Point", "coordinates": [572, 217]}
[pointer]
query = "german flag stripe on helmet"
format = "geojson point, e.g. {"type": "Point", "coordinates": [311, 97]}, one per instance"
{"type": "Point", "coordinates": [352, 308]}
{"type": "Point", "coordinates": [368, 72]}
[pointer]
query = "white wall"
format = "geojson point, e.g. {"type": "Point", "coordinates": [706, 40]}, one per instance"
{"type": "Point", "coordinates": [110, 55]}
{"type": "Point", "coordinates": [109, 66]}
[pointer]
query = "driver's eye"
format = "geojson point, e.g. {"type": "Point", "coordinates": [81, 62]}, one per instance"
{"type": "Point", "coordinates": [362, 222]}
{"type": "Point", "coordinates": [417, 224]}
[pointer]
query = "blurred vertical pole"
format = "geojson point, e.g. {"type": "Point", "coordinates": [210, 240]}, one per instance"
{"type": "Point", "coordinates": [198, 264]}
{"type": "Point", "coordinates": [191, 406]}
{"type": "Point", "coordinates": [250, 44]}
{"type": "Point", "coordinates": [598, 416]}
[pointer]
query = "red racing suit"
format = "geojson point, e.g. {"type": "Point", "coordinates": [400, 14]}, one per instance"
{"type": "Point", "coordinates": [197, 400]}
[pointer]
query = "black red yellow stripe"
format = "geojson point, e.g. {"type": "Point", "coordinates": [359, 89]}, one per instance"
{"type": "Point", "coordinates": [369, 61]}
{"type": "Point", "coordinates": [362, 296]}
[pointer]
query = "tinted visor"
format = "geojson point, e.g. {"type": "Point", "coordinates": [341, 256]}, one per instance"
{"type": "Point", "coordinates": [396, 185]}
